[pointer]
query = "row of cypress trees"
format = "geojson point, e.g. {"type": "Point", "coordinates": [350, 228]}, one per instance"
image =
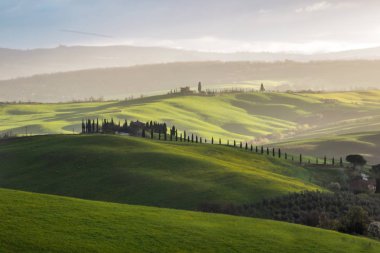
{"type": "Point", "coordinates": [184, 137]}
{"type": "Point", "coordinates": [153, 129]}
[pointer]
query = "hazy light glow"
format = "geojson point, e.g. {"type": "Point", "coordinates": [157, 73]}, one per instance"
{"type": "Point", "coordinates": [205, 25]}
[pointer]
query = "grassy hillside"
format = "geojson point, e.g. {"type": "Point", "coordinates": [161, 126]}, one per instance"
{"type": "Point", "coordinates": [140, 171]}
{"type": "Point", "coordinates": [366, 144]}
{"type": "Point", "coordinates": [42, 223]}
{"type": "Point", "coordinates": [251, 116]}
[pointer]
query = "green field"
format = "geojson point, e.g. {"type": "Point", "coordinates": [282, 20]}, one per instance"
{"type": "Point", "coordinates": [262, 117]}
{"type": "Point", "coordinates": [141, 171]}
{"type": "Point", "coordinates": [33, 222]}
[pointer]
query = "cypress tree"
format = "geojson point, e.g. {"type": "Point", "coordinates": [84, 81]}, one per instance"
{"type": "Point", "coordinates": [300, 158]}
{"type": "Point", "coordinates": [279, 153]}
{"type": "Point", "coordinates": [267, 151]}
{"type": "Point", "coordinates": [262, 150]}
{"type": "Point", "coordinates": [171, 135]}
{"type": "Point", "coordinates": [165, 130]}
{"type": "Point", "coordinates": [97, 125]}
{"type": "Point", "coordinates": [251, 147]}
{"type": "Point", "coordinates": [246, 146]}
{"type": "Point", "coordinates": [180, 138]}
{"type": "Point", "coordinates": [165, 136]}
{"type": "Point", "coordinates": [176, 135]}
{"type": "Point", "coordinates": [89, 126]}
{"type": "Point", "coordinates": [234, 143]}
{"type": "Point", "coordinates": [333, 161]}
{"type": "Point", "coordinates": [325, 160]}
{"type": "Point", "coordinates": [257, 149]}
{"type": "Point", "coordinates": [83, 127]}
{"type": "Point", "coordinates": [220, 141]}
{"type": "Point", "coordinates": [212, 140]}
{"type": "Point", "coordinates": [93, 126]}
{"type": "Point", "coordinates": [188, 138]}
{"type": "Point", "coordinates": [196, 138]}
{"type": "Point", "coordinates": [228, 142]}
{"type": "Point", "coordinates": [273, 152]}
{"type": "Point", "coordinates": [192, 137]}
{"type": "Point", "coordinates": [241, 144]}
{"type": "Point", "coordinates": [184, 135]}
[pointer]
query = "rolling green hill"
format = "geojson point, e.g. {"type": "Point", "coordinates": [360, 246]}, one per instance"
{"type": "Point", "coordinates": [141, 171]}
{"type": "Point", "coordinates": [33, 222]}
{"type": "Point", "coordinates": [247, 116]}
{"type": "Point", "coordinates": [366, 144]}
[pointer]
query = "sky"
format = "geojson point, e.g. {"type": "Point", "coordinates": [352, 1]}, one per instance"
{"type": "Point", "coordinates": [205, 25]}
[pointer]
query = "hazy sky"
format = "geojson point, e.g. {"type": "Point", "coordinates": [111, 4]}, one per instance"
{"type": "Point", "coordinates": [207, 25]}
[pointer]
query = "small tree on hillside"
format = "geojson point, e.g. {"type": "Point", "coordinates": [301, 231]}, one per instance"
{"type": "Point", "coordinates": [376, 174]}
{"type": "Point", "coordinates": [357, 161]}
{"type": "Point", "coordinates": [262, 89]}
{"type": "Point", "coordinates": [83, 127]}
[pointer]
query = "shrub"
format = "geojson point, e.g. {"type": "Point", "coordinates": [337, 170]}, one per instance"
{"type": "Point", "coordinates": [334, 186]}
{"type": "Point", "coordinates": [356, 221]}
{"type": "Point", "coordinates": [374, 229]}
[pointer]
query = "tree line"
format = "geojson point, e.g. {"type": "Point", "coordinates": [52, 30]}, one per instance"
{"type": "Point", "coordinates": [156, 130]}
{"type": "Point", "coordinates": [135, 128]}
{"type": "Point", "coordinates": [341, 211]}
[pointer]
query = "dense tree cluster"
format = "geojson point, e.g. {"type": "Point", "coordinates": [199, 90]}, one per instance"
{"type": "Point", "coordinates": [341, 211]}
{"type": "Point", "coordinates": [132, 127]}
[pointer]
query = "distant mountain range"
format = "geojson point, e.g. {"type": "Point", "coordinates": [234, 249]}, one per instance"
{"type": "Point", "coordinates": [124, 81]}
{"type": "Point", "coordinates": [22, 63]}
